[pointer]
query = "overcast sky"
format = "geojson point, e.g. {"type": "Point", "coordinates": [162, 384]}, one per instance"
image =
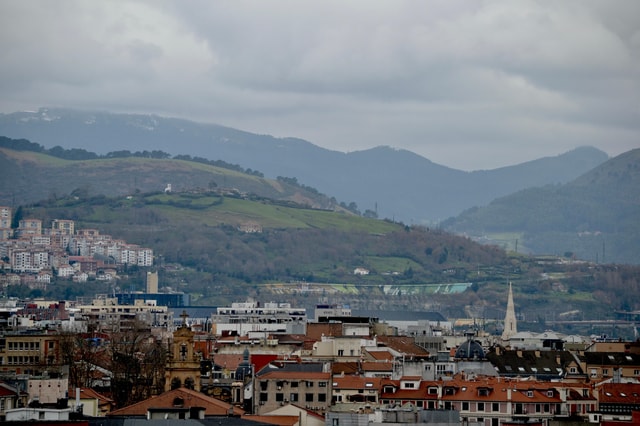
{"type": "Point", "coordinates": [468, 84]}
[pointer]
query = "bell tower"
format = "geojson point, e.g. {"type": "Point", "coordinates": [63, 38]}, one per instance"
{"type": "Point", "coordinates": [183, 364]}
{"type": "Point", "coordinates": [510, 324]}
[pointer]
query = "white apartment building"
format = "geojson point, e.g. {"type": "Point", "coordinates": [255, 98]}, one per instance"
{"type": "Point", "coordinates": [245, 317]}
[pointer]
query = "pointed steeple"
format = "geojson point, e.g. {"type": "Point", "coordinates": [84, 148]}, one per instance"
{"type": "Point", "coordinates": [510, 325]}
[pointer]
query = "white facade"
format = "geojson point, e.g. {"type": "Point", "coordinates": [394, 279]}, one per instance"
{"type": "Point", "coordinates": [29, 414]}
{"type": "Point", "coordinates": [243, 318]}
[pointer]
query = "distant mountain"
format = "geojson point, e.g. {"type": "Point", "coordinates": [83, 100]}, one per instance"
{"type": "Point", "coordinates": [594, 217]}
{"type": "Point", "coordinates": [397, 184]}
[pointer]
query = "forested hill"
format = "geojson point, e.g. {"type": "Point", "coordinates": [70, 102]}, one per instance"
{"type": "Point", "coordinates": [594, 217]}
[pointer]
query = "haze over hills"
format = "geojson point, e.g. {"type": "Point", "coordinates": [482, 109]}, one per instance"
{"type": "Point", "coordinates": [397, 184]}
{"type": "Point", "coordinates": [595, 216]}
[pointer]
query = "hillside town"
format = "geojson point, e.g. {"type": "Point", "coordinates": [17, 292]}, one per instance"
{"type": "Point", "coordinates": [150, 356]}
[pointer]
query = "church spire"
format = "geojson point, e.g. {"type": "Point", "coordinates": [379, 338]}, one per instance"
{"type": "Point", "coordinates": [510, 325]}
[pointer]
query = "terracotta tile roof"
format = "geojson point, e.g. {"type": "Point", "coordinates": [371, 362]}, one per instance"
{"type": "Point", "coordinates": [420, 393]}
{"type": "Point", "coordinates": [90, 393]}
{"type": "Point", "coordinates": [6, 390]}
{"type": "Point", "coordinates": [187, 397]}
{"type": "Point", "coordinates": [344, 367]}
{"type": "Point", "coordinates": [228, 361]}
{"type": "Point", "coordinates": [381, 355]}
{"type": "Point", "coordinates": [273, 420]}
{"type": "Point", "coordinates": [403, 344]}
{"type": "Point", "coordinates": [619, 393]}
{"type": "Point", "coordinates": [316, 330]}
{"type": "Point", "coordinates": [376, 366]}
{"type": "Point", "coordinates": [356, 382]}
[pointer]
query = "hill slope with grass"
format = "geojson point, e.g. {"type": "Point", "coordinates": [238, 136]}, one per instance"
{"type": "Point", "coordinates": [28, 176]}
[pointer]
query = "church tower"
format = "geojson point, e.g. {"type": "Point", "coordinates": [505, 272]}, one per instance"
{"type": "Point", "coordinates": [183, 364]}
{"type": "Point", "coordinates": [510, 325]}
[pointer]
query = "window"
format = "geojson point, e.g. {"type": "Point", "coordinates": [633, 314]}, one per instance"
{"type": "Point", "coordinates": [264, 396]}
{"type": "Point", "coordinates": [279, 397]}
{"type": "Point", "coordinates": [636, 372]}
{"type": "Point", "coordinates": [264, 385]}
{"type": "Point", "coordinates": [322, 384]}
{"type": "Point", "coordinates": [432, 391]}
{"type": "Point", "coordinates": [308, 397]}
{"type": "Point", "coordinates": [495, 407]}
{"type": "Point", "coordinates": [605, 371]}
{"type": "Point", "coordinates": [309, 384]}
{"type": "Point", "coordinates": [465, 406]}
{"type": "Point", "coordinates": [294, 384]}
{"type": "Point", "coordinates": [409, 385]}
{"type": "Point", "coordinates": [322, 397]}
{"type": "Point", "coordinates": [530, 394]}
{"type": "Point", "coordinates": [293, 397]}
{"type": "Point", "coordinates": [480, 406]}
{"type": "Point", "coordinates": [340, 352]}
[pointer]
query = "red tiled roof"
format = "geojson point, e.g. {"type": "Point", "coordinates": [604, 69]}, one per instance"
{"type": "Point", "coordinates": [403, 344]}
{"type": "Point", "coordinates": [188, 398]}
{"type": "Point", "coordinates": [619, 393]}
{"type": "Point", "coordinates": [381, 355]}
{"type": "Point", "coordinates": [356, 382]}
{"type": "Point", "coordinates": [377, 366]}
{"type": "Point", "coordinates": [273, 420]}
{"type": "Point", "coordinates": [90, 393]}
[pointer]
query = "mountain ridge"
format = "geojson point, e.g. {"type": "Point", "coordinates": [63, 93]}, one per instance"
{"type": "Point", "coordinates": [395, 183]}
{"type": "Point", "coordinates": [593, 217]}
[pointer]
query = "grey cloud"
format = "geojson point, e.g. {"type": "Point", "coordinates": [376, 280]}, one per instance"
{"type": "Point", "coordinates": [466, 84]}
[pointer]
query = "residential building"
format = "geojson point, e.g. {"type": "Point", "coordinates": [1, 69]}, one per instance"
{"type": "Point", "coordinates": [303, 384]}
{"type": "Point", "coordinates": [245, 317]}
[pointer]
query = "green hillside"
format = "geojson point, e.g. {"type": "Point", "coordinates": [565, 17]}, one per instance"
{"type": "Point", "coordinates": [595, 217]}
{"type": "Point", "coordinates": [305, 256]}
{"type": "Point", "coordinates": [28, 176]}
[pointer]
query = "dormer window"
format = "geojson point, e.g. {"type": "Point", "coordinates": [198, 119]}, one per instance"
{"type": "Point", "coordinates": [530, 394]}
{"type": "Point", "coordinates": [432, 391]}
{"type": "Point", "coordinates": [483, 392]}
{"type": "Point", "coordinates": [550, 393]}
{"type": "Point", "coordinates": [449, 391]}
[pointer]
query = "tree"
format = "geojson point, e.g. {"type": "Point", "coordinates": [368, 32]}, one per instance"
{"type": "Point", "coordinates": [17, 217]}
{"type": "Point", "coordinates": [137, 364]}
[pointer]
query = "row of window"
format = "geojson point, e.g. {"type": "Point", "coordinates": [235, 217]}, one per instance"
{"type": "Point", "coordinates": [294, 397]}
{"type": "Point", "coordinates": [23, 346]}
{"type": "Point", "coordinates": [21, 360]}
{"type": "Point", "coordinates": [294, 384]}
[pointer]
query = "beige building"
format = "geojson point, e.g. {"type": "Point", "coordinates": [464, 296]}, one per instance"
{"type": "Point", "coordinates": [275, 389]}
{"type": "Point", "coordinates": [33, 354]}
{"type": "Point", "coordinates": [183, 363]}
{"type": "Point", "coordinates": [62, 227]}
